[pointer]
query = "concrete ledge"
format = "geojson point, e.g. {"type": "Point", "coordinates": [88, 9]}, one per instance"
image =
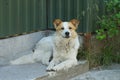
{"type": "Point", "coordinates": [82, 67]}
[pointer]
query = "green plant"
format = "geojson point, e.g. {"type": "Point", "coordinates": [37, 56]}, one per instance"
{"type": "Point", "coordinates": [108, 28]}
{"type": "Point", "coordinates": [107, 32]}
{"type": "Point", "coordinates": [110, 21]}
{"type": "Point", "coordinates": [107, 57]}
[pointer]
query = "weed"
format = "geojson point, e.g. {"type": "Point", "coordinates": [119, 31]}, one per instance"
{"type": "Point", "coordinates": [110, 21]}
{"type": "Point", "coordinates": [107, 32]}
{"type": "Point", "coordinates": [108, 28]}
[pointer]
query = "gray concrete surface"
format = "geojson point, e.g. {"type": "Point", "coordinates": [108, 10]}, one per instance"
{"type": "Point", "coordinates": [22, 72]}
{"type": "Point", "coordinates": [81, 68]}
{"type": "Point", "coordinates": [111, 72]}
{"type": "Point", "coordinates": [15, 47]}
{"type": "Point", "coordinates": [37, 70]}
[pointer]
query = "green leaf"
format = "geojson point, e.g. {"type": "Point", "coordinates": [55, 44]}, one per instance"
{"type": "Point", "coordinates": [118, 15]}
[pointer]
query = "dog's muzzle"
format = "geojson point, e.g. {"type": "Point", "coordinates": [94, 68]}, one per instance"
{"type": "Point", "coordinates": [67, 34]}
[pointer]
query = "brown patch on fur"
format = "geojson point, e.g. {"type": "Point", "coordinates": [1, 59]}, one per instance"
{"type": "Point", "coordinates": [57, 22]}
{"type": "Point", "coordinates": [59, 27]}
{"type": "Point", "coordinates": [75, 22]}
{"type": "Point", "coordinates": [74, 34]}
{"type": "Point", "coordinates": [72, 29]}
{"type": "Point", "coordinates": [72, 24]}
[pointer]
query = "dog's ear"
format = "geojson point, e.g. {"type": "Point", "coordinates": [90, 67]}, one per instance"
{"type": "Point", "coordinates": [56, 22]}
{"type": "Point", "coordinates": [75, 22]}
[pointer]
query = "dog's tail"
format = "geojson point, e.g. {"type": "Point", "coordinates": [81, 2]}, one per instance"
{"type": "Point", "coordinates": [23, 60]}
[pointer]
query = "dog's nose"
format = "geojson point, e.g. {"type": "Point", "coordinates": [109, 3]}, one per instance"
{"type": "Point", "coordinates": [67, 33]}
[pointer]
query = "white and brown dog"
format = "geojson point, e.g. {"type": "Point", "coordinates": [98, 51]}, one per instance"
{"type": "Point", "coordinates": [62, 46]}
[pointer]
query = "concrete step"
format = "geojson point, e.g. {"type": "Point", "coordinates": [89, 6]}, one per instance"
{"type": "Point", "coordinates": [82, 67]}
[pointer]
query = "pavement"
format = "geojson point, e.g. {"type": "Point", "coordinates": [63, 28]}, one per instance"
{"type": "Point", "coordinates": [36, 70]}
{"type": "Point", "coordinates": [22, 72]}
{"type": "Point", "coordinates": [102, 73]}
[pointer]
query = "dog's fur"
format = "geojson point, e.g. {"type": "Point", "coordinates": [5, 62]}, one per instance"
{"type": "Point", "coordinates": [62, 46]}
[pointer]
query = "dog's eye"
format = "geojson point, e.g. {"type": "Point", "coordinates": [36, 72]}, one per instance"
{"type": "Point", "coordinates": [70, 28]}
{"type": "Point", "coordinates": [62, 28]}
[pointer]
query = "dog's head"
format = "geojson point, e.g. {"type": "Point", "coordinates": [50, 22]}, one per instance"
{"type": "Point", "coordinates": [66, 29]}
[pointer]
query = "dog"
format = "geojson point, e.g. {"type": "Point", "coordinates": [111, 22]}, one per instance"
{"type": "Point", "coordinates": [58, 51]}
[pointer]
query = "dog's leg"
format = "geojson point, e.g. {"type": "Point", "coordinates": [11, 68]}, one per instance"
{"type": "Point", "coordinates": [65, 65]}
{"type": "Point", "coordinates": [23, 60]}
{"type": "Point", "coordinates": [52, 64]}
{"type": "Point", "coordinates": [42, 56]}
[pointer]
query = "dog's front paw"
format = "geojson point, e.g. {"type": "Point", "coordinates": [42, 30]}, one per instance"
{"type": "Point", "coordinates": [56, 68]}
{"type": "Point", "coordinates": [50, 69]}
{"type": "Point", "coordinates": [52, 73]}
{"type": "Point", "coordinates": [53, 69]}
